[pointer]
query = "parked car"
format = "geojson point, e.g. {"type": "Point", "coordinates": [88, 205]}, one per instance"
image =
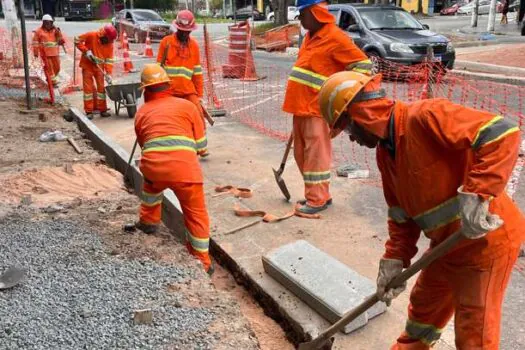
{"type": "Point", "coordinates": [138, 22]}
{"type": "Point", "coordinates": [453, 9]}
{"type": "Point", "coordinates": [514, 6]}
{"type": "Point", "coordinates": [293, 14]}
{"type": "Point", "coordinates": [391, 33]}
{"type": "Point", "coordinates": [483, 8]}
{"type": "Point", "coordinates": [245, 13]}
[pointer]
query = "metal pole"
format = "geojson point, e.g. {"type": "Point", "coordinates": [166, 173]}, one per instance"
{"type": "Point", "coordinates": [234, 14]}
{"type": "Point", "coordinates": [24, 52]}
{"type": "Point", "coordinates": [474, 19]}
{"type": "Point", "coordinates": [492, 16]}
{"type": "Point", "coordinates": [431, 76]}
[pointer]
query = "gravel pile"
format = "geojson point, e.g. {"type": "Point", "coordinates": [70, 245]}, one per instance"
{"type": "Point", "coordinates": [77, 296]}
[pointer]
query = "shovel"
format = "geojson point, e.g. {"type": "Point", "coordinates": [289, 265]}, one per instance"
{"type": "Point", "coordinates": [11, 277]}
{"type": "Point", "coordinates": [324, 340]}
{"type": "Point", "coordinates": [279, 172]}
{"type": "Point", "coordinates": [130, 159]}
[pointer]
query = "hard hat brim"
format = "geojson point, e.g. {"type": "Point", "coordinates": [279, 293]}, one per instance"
{"type": "Point", "coordinates": [186, 29]}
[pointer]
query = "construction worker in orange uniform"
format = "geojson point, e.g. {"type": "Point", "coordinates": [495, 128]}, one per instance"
{"type": "Point", "coordinates": [444, 168]}
{"type": "Point", "coordinates": [179, 55]}
{"type": "Point", "coordinates": [46, 42]}
{"type": "Point", "coordinates": [326, 49]}
{"type": "Point", "coordinates": [170, 132]}
{"type": "Point", "coordinates": [97, 59]}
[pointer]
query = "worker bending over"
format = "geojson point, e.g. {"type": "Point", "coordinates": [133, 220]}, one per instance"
{"type": "Point", "coordinates": [97, 59]}
{"type": "Point", "coordinates": [170, 132]}
{"type": "Point", "coordinates": [326, 49]}
{"type": "Point", "coordinates": [444, 167]}
{"type": "Point", "coordinates": [46, 43]}
{"type": "Point", "coordinates": [179, 55]}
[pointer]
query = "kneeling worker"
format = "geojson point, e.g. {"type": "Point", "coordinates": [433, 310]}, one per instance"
{"type": "Point", "coordinates": [444, 168]}
{"type": "Point", "coordinates": [170, 132]}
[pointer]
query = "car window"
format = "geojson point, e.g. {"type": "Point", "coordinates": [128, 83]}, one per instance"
{"type": "Point", "coordinates": [146, 16]}
{"type": "Point", "coordinates": [379, 19]}
{"type": "Point", "coordinates": [346, 20]}
{"type": "Point", "coordinates": [129, 17]}
{"type": "Point", "coordinates": [335, 13]}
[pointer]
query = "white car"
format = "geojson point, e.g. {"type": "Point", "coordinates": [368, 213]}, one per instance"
{"type": "Point", "coordinates": [293, 14]}
{"type": "Point", "coordinates": [483, 8]}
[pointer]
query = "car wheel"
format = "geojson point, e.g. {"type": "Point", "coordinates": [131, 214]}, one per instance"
{"type": "Point", "coordinates": [296, 18]}
{"type": "Point", "coordinates": [270, 18]}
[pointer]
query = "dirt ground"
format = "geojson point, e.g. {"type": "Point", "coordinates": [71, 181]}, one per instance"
{"type": "Point", "coordinates": [51, 179]}
{"type": "Point", "coordinates": [504, 55]}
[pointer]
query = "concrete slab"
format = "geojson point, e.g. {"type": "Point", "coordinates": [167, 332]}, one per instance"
{"type": "Point", "coordinates": [324, 283]}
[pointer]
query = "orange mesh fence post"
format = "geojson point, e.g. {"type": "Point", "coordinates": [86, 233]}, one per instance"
{"type": "Point", "coordinates": [209, 71]}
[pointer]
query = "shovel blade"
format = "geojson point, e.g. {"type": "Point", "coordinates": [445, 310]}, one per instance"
{"type": "Point", "coordinates": [281, 184]}
{"type": "Point", "coordinates": [317, 344]}
{"type": "Point", "coordinates": [11, 277]}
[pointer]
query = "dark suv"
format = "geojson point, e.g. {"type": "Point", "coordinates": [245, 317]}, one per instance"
{"type": "Point", "coordinates": [392, 34]}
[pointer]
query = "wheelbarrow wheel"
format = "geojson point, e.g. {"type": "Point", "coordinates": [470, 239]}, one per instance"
{"type": "Point", "coordinates": [131, 105]}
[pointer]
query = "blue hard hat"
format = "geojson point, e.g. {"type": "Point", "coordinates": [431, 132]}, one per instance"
{"type": "Point", "coordinates": [302, 4]}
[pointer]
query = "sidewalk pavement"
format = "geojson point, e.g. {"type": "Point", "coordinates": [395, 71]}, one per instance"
{"type": "Point", "coordinates": [509, 55]}
{"type": "Point", "coordinates": [510, 30]}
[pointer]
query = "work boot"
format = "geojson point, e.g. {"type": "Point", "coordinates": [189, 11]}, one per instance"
{"type": "Point", "coordinates": [146, 228]}
{"type": "Point", "coordinates": [211, 270]}
{"type": "Point", "coordinates": [306, 209]}
{"type": "Point", "coordinates": [105, 114]}
{"type": "Point", "coordinates": [89, 116]}
{"type": "Point", "coordinates": [303, 202]}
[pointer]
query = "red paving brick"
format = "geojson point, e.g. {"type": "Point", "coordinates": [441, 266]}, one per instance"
{"type": "Point", "coordinates": [512, 56]}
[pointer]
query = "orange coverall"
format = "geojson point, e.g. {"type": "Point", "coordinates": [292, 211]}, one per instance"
{"type": "Point", "coordinates": [48, 42]}
{"type": "Point", "coordinates": [329, 51]}
{"type": "Point", "coordinates": [183, 65]}
{"type": "Point", "coordinates": [94, 96]}
{"type": "Point", "coordinates": [431, 148]}
{"type": "Point", "coordinates": [171, 133]}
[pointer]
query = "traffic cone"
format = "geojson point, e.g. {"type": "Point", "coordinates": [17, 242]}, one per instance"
{"type": "Point", "coordinates": [128, 65]}
{"type": "Point", "coordinates": [249, 71]}
{"type": "Point", "coordinates": [125, 44]}
{"type": "Point", "coordinates": [148, 52]}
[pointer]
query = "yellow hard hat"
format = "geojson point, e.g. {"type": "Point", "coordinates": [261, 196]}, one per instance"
{"type": "Point", "coordinates": [338, 91]}
{"type": "Point", "coordinates": [153, 74]}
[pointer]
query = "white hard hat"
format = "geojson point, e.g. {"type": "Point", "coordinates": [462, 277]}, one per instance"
{"type": "Point", "coordinates": [47, 18]}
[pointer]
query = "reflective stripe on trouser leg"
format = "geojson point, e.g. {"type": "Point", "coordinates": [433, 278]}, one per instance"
{"type": "Point", "coordinates": [196, 220]}
{"type": "Point", "coordinates": [88, 87]}
{"type": "Point", "coordinates": [432, 305]}
{"type": "Point", "coordinates": [100, 101]}
{"type": "Point", "coordinates": [315, 152]}
{"type": "Point", "coordinates": [151, 204]}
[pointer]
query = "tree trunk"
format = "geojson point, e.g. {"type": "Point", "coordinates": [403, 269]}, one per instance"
{"type": "Point", "coordinates": [474, 19]}
{"type": "Point", "coordinates": [492, 15]}
{"type": "Point", "coordinates": [280, 10]}
{"type": "Point", "coordinates": [420, 7]}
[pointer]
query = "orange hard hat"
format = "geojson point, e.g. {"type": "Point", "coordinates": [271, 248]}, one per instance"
{"type": "Point", "coordinates": [153, 74]}
{"type": "Point", "coordinates": [110, 32]}
{"type": "Point", "coordinates": [338, 91]}
{"type": "Point", "coordinates": [185, 21]}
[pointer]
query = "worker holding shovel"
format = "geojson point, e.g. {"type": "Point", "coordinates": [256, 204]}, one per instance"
{"type": "Point", "coordinates": [170, 131]}
{"type": "Point", "coordinates": [444, 168]}
{"type": "Point", "coordinates": [326, 49]}
{"type": "Point", "coordinates": [97, 59]}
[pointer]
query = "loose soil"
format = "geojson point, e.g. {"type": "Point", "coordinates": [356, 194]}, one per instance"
{"type": "Point", "coordinates": [65, 185]}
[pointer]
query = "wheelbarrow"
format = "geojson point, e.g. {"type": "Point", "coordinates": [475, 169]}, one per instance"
{"type": "Point", "coordinates": [125, 95]}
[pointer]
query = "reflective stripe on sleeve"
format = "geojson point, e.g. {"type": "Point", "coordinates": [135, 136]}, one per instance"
{"type": "Point", "coordinates": [439, 216]}
{"type": "Point", "coordinates": [494, 130]}
{"type": "Point", "coordinates": [50, 44]}
{"type": "Point", "coordinates": [364, 66]}
{"type": "Point", "coordinates": [398, 215]}
{"type": "Point", "coordinates": [182, 72]}
{"type": "Point", "coordinates": [202, 144]}
{"type": "Point", "coordinates": [306, 77]}
{"type": "Point", "coordinates": [197, 70]}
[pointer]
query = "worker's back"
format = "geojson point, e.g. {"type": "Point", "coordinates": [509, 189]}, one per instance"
{"type": "Point", "coordinates": [436, 145]}
{"type": "Point", "coordinates": [169, 130]}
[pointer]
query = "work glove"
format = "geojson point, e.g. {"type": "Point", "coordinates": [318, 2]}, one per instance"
{"type": "Point", "coordinates": [90, 56]}
{"type": "Point", "coordinates": [476, 220]}
{"type": "Point", "coordinates": [388, 269]}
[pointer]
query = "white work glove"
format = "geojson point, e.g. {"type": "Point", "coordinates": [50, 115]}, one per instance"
{"type": "Point", "coordinates": [476, 220]}
{"type": "Point", "coordinates": [388, 269]}
{"type": "Point", "coordinates": [108, 79]}
{"type": "Point", "coordinates": [90, 56]}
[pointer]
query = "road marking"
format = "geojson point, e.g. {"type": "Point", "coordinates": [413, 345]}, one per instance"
{"type": "Point", "coordinates": [254, 104]}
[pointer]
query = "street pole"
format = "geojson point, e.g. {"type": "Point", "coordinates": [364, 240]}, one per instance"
{"type": "Point", "coordinates": [492, 16]}
{"type": "Point", "coordinates": [131, 4]}
{"type": "Point", "coordinates": [474, 19]}
{"type": "Point", "coordinates": [24, 53]}
{"type": "Point", "coordinates": [253, 17]}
